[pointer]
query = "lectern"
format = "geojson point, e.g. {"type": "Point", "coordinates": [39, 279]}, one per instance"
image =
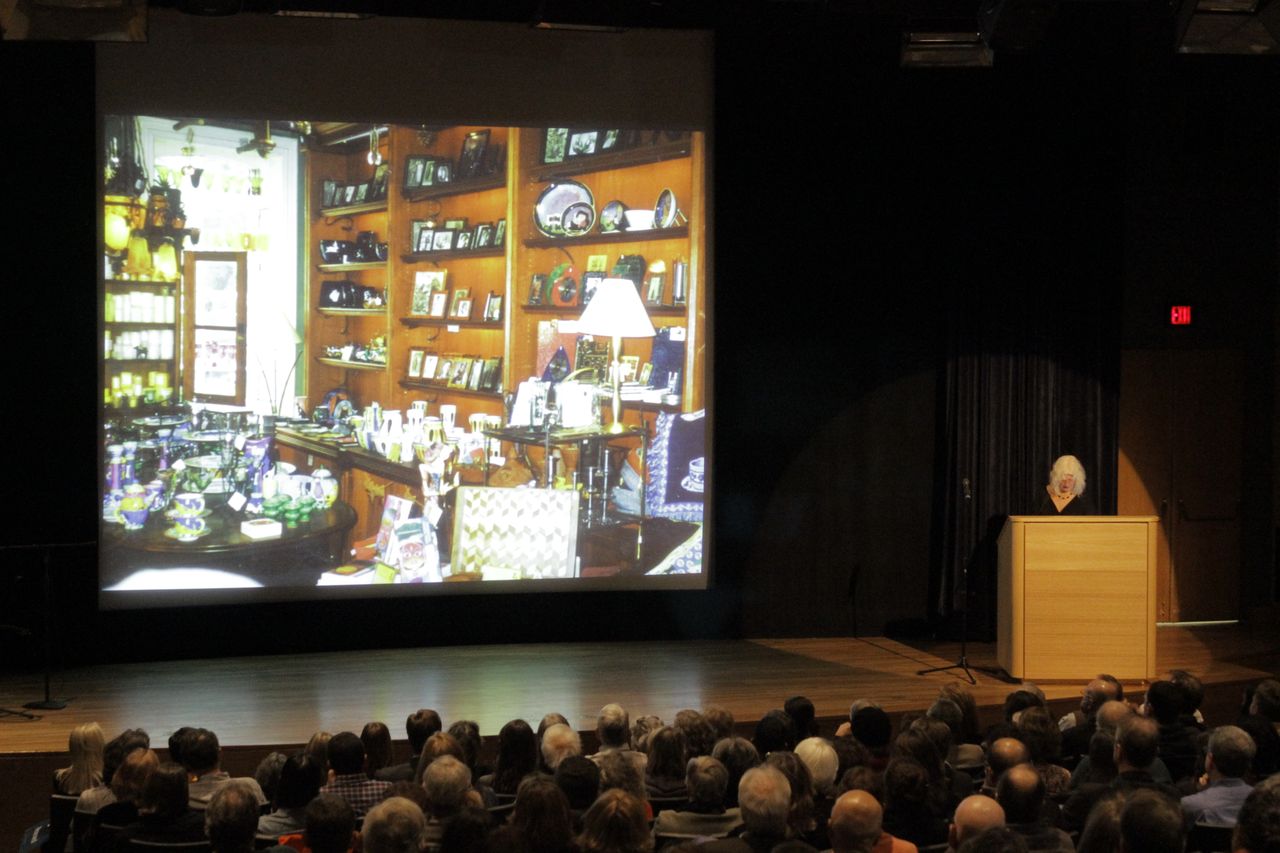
{"type": "Point", "coordinates": [1077, 596]}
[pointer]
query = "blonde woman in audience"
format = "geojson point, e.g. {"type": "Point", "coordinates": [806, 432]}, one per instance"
{"type": "Point", "coordinates": [615, 823]}
{"type": "Point", "coordinates": [85, 744]}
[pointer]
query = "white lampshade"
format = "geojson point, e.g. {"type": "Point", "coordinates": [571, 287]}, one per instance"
{"type": "Point", "coordinates": [616, 311]}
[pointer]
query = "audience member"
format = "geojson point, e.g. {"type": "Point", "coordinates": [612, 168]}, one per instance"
{"type": "Point", "coordinates": [202, 757]}
{"type": "Point", "coordinates": [1092, 695]}
{"type": "Point", "coordinates": [440, 743]}
{"type": "Point", "coordinates": [318, 748]}
{"type": "Point", "coordinates": [961, 755]}
{"type": "Point", "coordinates": [347, 778]}
{"type": "Point", "coordinates": [376, 738]}
{"type": "Point", "coordinates": [773, 733]}
{"type": "Point", "coordinates": [720, 720]}
{"type": "Point", "coordinates": [970, 727]}
{"type": "Point", "coordinates": [1178, 750]}
{"type": "Point", "coordinates": [579, 778]}
{"type": "Point", "coordinates": [540, 822]}
{"type": "Point", "coordinates": [803, 717]}
{"type": "Point", "coordinates": [419, 726]}
{"type": "Point", "coordinates": [871, 727]}
{"type": "Point", "coordinates": [127, 785]}
{"type": "Point", "coordinates": [447, 782]}
{"type": "Point", "coordinates": [615, 823]}
{"type": "Point", "coordinates": [231, 820]}
{"type": "Point", "coordinates": [86, 744]}
{"type": "Point", "coordinates": [857, 827]}
{"type": "Point", "coordinates": [764, 797]}
{"type": "Point", "coordinates": [706, 780]}
{"type": "Point", "coordinates": [617, 770]}
{"type": "Point", "coordinates": [330, 826]}
{"type": "Point", "coordinates": [997, 839]}
{"type": "Point", "coordinates": [409, 791]}
{"type": "Point", "coordinates": [802, 819]}
{"type": "Point", "coordinates": [958, 784]}
{"type": "Point", "coordinates": [1258, 825]}
{"type": "Point", "coordinates": [163, 812]}
{"type": "Point", "coordinates": [1266, 740]}
{"type": "Point", "coordinates": [395, 825]}
{"type": "Point", "coordinates": [1151, 822]}
{"type": "Point", "coordinates": [113, 755]}
{"type": "Point", "coordinates": [1003, 753]}
{"type": "Point", "coordinates": [613, 730]}
{"type": "Point", "coordinates": [1192, 689]}
{"type": "Point", "coordinates": [466, 832]}
{"type": "Point", "coordinates": [1021, 793]}
{"type": "Point", "coordinates": [300, 781]}
{"type": "Point", "coordinates": [558, 743]}
{"type": "Point", "coordinates": [976, 813]}
{"type": "Point", "coordinates": [699, 735]}
{"type": "Point", "coordinates": [738, 756]}
{"type": "Point", "coordinates": [517, 758]}
{"type": "Point", "coordinates": [267, 774]}
{"type": "Point", "coordinates": [175, 743]}
{"type": "Point", "coordinates": [1101, 833]}
{"type": "Point", "coordinates": [819, 755]}
{"type": "Point", "coordinates": [642, 729]}
{"type": "Point", "coordinates": [912, 811]}
{"type": "Point", "coordinates": [864, 778]}
{"type": "Point", "coordinates": [849, 754]}
{"type": "Point", "coordinates": [1043, 738]}
{"type": "Point", "coordinates": [467, 733]}
{"type": "Point", "coordinates": [1137, 740]}
{"type": "Point", "coordinates": [1223, 789]}
{"type": "Point", "coordinates": [665, 770]}
{"type": "Point", "coordinates": [1110, 716]}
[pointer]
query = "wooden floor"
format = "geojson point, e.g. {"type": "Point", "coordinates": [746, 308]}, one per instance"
{"type": "Point", "coordinates": [274, 700]}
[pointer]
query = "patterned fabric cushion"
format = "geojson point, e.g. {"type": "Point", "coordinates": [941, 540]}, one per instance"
{"type": "Point", "coordinates": [677, 475]}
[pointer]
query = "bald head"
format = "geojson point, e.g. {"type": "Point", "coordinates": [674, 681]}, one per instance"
{"type": "Point", "coordinates": [1004, 753]}
{"type": "Point", "coordinates": [974, 814]}
{"type": "Point", "coordinates": [1112, 714]}
{"type": "Point", "coordinates": [1021, 794]}
{"type": "Point", "coordinates": [855, 823]}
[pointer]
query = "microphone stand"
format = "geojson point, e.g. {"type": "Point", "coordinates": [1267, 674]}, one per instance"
{"type": "Point", "coordinates": [963, 663]}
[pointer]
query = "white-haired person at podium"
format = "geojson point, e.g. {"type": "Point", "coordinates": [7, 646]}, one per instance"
{"type": "Point", "coordinates": [1064, 495]}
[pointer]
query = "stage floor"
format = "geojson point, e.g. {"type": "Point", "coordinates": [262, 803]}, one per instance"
{"type": "Point", "coordinates": [283, 699]}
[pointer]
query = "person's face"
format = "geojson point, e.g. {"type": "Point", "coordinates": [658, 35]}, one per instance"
{"type": "Point", "coordinates": [1067, 483]}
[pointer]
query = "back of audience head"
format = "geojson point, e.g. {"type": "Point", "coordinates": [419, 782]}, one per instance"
{"type": "Point", "coordinates": [970, 729]}
{"type": "Point", "coordinates": [1020, 792]}
{"type": "Point", "coordinates": [318, 748]}
{"type": "Point", "coordinates": [1151, 822]}
{"type": "Point", "coordinates": [517, 756]}
{"type": "Point", "coordinates": [410, 790]}
{"type": "Point", "coordinates": [801, 784]}
{"type": "Point", "coordinates": [850, 753]}
{"type": "Point", "coordinates": [1040, 732]}
{"type": "Point", "coordinates": [1137, 742]}
{"type": "Point", "coordinates": [906, 785]}
{"type": "Point", "coordinates": [613, 726]}
{"type": "Point", "coordinates": [1266, 760]}
{"type": "Point", "coordinates": [447, 782]}
{"type": "Point", "coordinates": [856, 822]}
{"type": "Point", "coordinates": [346, 754]}
{"type": "Point", "coordinates": [419, 726]}
{"type": "Point", "coordinates": [1018, 701]}
{"type": "Point", "coordinates": [558, 743]}
{"type": "Point", "coordinates": [864, 778]}
{"type": "Point", "coordinates": [165, 791]}
{"type": "Point", "coordinates": [764, 796]}
{"type": "Point", "coordinates": [267, 773]}
{"type": "Point", "coordinates": [466, 832]}
{"type": "Point", "coordinates": [617, 770]}
{"type": "Point", "coordinates": [1101, 833]}
{"type": "Point", "coordinates": [131, 776]}
{"type": "Point", "coordinates": [1230, 751]}
{"type": "Point", "coordinates": [706, 780]}
{"type": "Point", "coordinates": [376, 738]}
{"type": "Point", "coordinates": [871, 727]}
{"type": "Point", "coordinates": [721, 722]}
{"type": "Point", "coordinates": [642, 728]}
{"type": "Point", "coordinates": [948, 712]}
{"type": "Point", "coordinates": [615, 823]}
{"type": "Point", "coordinates": [1004, 753]}
{"type": "Point", "coordinates": [1102, 756]}
{"type": "Point", "coordinates": [1258, 824]}
{"type": "Point", "coordinates": [231, 818]}
{"type": "Point", "coordinates": [329, 824]}
{"type": "Point", "coordinates": [916, 745]}
{"type": "Point", "coordinates": [549, 720]}
{"type": "Point", "coordinates": [115, 750]}
{"type": "Point", "coordinates": [803, 716]}
{"type": "Point", "coordinates": [579, 778]}
{"type": "Point", "coordinates": [699, 735]}
{"type": "Point", "coordinates": [175, 743]}
{"type": "Point", "coordinates": [1266, 700]}
{"type": "Point", "coordinates": [668, 753]}
{"type": "Point", "coordinates": [1163, 702]}
{"type": "Point", "coordinates": [395, 825]}
{"type": "Point", "coordinates": [439, 744]}
{"type": "Point", "coordinates": [1112, 713]}
{"type": "Point", "coordinates": [1192, 689]}
{"type": "Point", "coordinates": [86, 743]}
{"type": "Point", "coordinates": [542, 814]}
{"type": "Point", "coordinates": [467, 734]}
{"type": "Point", "coordinates": [1115, 690]}
{"type": "Point", "coordinates": [820, 757]}
{"type": "Point", "coordinates": [738, 755]}
{"type": "Point", "coordinates": [974, 814]}
{"type": "Point", "coordinates": [997, 839]}
{"type": "Point", "coordinates": [937, 733]}
{"type": "Point", "coordinates": [201, 752]}
{"type": "Point", "coordinates": [774, 733]}
{"type": "Point", "coordinates": [300, 780]}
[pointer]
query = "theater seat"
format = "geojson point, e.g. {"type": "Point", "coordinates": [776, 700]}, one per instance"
{"type": "Point", "coordinates": [1209, 838]}
{"type": "Point", "coordinates": [139, 846]}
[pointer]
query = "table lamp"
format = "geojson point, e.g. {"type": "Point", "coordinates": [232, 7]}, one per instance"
{"type": "Point", "coordinates": [616, 311]}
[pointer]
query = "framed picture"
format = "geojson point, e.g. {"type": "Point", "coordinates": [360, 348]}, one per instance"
{"type": "Point", "coordinates": [590, 283]}
{"type": "Point", "coordinates": [459, 224]}
{"type": "Point", "coordinates": [416, 356]}
{"type": "Point", "coordinates": [442, 241]}
{"type": "Point", "coordinates": [425, 238]}
{"type": "Point", "coordinates": [556, 145]}
{"type": "Point", "coordinates": [460, 295]}
{"type": "Point", "coordinates": [495, 159]}
{"type": "Point", "coordinates": [654, 288]}
{"type": "Point", "coordinates": [493, 308]}
{"type": "Point", "coordinates": [597, 263]}
{"type": "Point", "coordinates": [536, 287]}
{"type": "Point", "coordinates": [444, 171]}
{"type": "Point", "coordinates": [349, 195]}
{"type": "Point", "coordinates": [473, 374]}
{"type": "Point", "coordinates": [472, 157]}
{"type": "Point", "coordinates": [330, 189]}
{"type": "Point", "coordinates": [583, 142]}
{"type": "Point", "coordinates": [646, 370]}
{"type": "Point", "coordinates": [426, 283]}
{"type": "Point", "coordinates": [491, 375]}
{"type": "Point", "coordinates": [439, 304]}
{"type": "Point", "coordinates": [415, 233]}
{"type": "Point", "coordinates": [500, 233]}
{"type": "Point", "coordinates": [381, 176]}
{"type": "Point", "coordinates": [462, 241]}
{"type": "Point", "coordinates": [483, 235]}
{"type": "Point", "coordinates": [414, 169]}
{"type": "Point", "coordinates": [628, 367]}
{"type": "Point", "coordinates": [428, 171]}
{"type": "Point", "coordinates": [610, 139]}
{"type": "Point", "coordinates": [430, 363]}
{"type": "Point", "coordinates": [461, 366]}
{"type": "Point", "coordinates": [445, 369]}
{"type": "Point", "coordinates": [362, 192]}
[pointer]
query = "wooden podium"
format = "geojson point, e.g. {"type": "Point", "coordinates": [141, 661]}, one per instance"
{"type": "Point", "coordinates": [1077, 597]}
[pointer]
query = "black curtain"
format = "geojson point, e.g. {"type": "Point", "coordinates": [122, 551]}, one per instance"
{"type": "Point", "coordinates": [1025, 379]}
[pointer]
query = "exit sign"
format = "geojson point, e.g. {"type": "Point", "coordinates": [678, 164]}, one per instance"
{"type": "Point", "coordinates": [1180, 315]}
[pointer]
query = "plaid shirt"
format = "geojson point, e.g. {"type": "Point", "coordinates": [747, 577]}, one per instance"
{"type": "Point", "coordinates": [360, 792]}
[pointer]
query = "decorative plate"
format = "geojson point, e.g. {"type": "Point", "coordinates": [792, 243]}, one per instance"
{"type": "Point", "coordinates": [611, 216]}
{"type": "Point", "coordinates": [578, 219]}
{"type": "Point", "coordinates": [173, 513]}
{"type": "Point", "coordinates": [664, 212]}
{"type": "Point", "coordinates": [186, 535]}
{"type": "Point", "coordinates": [554, 201]}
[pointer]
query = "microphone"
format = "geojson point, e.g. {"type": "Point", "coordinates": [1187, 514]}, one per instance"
{"type": "Point", "coordinates": [968, 495]}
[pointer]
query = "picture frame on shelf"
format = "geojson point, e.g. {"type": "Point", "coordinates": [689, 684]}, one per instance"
{"type": "Point", "coordinates": [474, 370]}
{"type": "Point", "coordinates": [500, 233]}
{"type": "Point", "coordinates": [537, 285]}
{"type": "Point", "coordinates": [654, 288]}
{"type": "Point", "coordinates": [458, 377]}
{"type": "Point", "coordinates": [415, 233]}
{"type": "Point", "coordinates": [443, 172]}
{"type": "Point", "coordinates": [430, 363]}
{"type": "Point", "coordinates": [349, 194]}
{"type": "Point", "coordinates": [590, 283]}
{"type": "Point", "coordinates": [483, 235]}
{"type": "Point", "coordinates": [443, 240]}
{"type": "Point", "coordinates": [416, 357]}
{"type": "Point", "coordinates": [426, 283]}
{"type": "Point", "coordinates": [457, 224]}
{"type": "Point", "coordinates": [629, 368]}
{"type": "Point", "coordinates": [491, 374]}
{"type": "Point", "coordinates": [555, 145]}
{"type": "Point", "coordinates": [493, 308]}
{"type": "Point", "coordinates": [597, 263]}
{"type": "Point", "coordinates": [460, 295]}
{"type": "Point", "coordinates": [428, 171]}
{"type": "Point", "coordinates": [646, 371]}
{"type": "Point", "coordinates": [414, 171]}
{"type": "Point", "coordinates": [472, 157]}
{"type": "Point", "coordinates": [462, 242]}
{"type": "Point", "coordinates": [362, 192]}
{"type": "Point", "coordinates": [609, 139]}
{"type": "Point", "coordinates": [329, 190]}
{"type": "Point", "coordinates": [583, 142]}
{"type": "Point", "coordinates": [445, 368]}
{"type": "Point", "coordinates": [425, 238]}
{"type": "Point", "coordinates": [439, 304]}
{"type": "Point", "coordinates": [592, 352]}
{"type": "Point", "coordinates": [495, 159]}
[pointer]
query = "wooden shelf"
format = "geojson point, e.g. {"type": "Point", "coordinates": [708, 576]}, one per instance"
{"type": "Point", "coordinates": [350, 365]}
{"type": "Point", "coordinates": [462, 187]}
{"type": "Point", "coordinates": [363, 265]}
{"type": "Point", "coordinates": [419, 322]}
{"type": "Point", "coordinates": [354, 209]}
{"type": "Point", "coordinates": [436, 257]}
{"type": "Point", "coordinates": [419, 385]}
{"type": "Point", "coordinates": [597, 238]}
{"type": "Point", "coordinates": [353, 312]}
{"type": "Point", "coordinates": [639, 156]}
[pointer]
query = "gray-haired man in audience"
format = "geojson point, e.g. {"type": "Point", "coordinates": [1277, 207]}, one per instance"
{"type": "Point", "coordinates": [707, 780]}
{"type": "Point", "coordinates": [1223, 790]}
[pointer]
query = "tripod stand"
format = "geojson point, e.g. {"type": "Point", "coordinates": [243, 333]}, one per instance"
{"type": "Point", "coordinates": [963, 663]}
{"type": "Point", "coordinates": [48, 703]}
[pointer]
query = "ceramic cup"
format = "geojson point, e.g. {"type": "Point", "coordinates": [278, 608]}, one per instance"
{"type": "Point", "coordinates": [694, 482]}
{"type": "Point", "coordinates": [190, 526]}
{"type": "Point", "coordinates": [155, 495]}
{"type": "Point", "coordinates": [448, 416]}
{"type": "Point", "coordinates": [135, 519]}
{"type": "Point", "coordinates": [189, 503]}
